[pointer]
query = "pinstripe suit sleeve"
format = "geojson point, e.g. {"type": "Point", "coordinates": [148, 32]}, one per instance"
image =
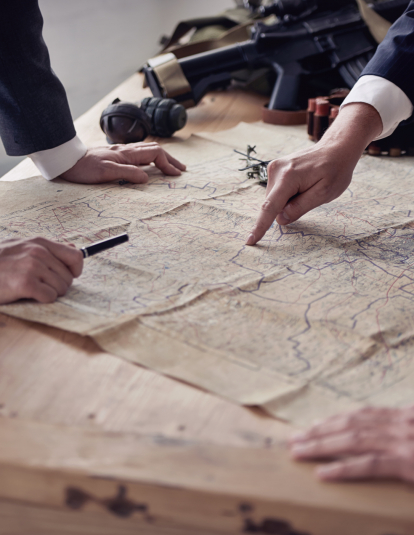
{"type": "Point", "coordinates": [394, 58]}
{"type": "Point", "coordinates": [34, 111]}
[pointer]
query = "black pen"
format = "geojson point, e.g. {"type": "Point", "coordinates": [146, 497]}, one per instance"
{"type": "Point", "coordinates": [100, 246]}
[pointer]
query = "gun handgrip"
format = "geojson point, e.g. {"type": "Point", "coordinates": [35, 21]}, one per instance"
{"type": "Point", "coordinates": [286, 90]}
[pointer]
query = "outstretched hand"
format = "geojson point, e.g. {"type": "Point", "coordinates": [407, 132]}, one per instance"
{"type": "Point", "coordinates": [369, 443]}
{"type": "Point", "coordinates": [37, 269]}
{"type": "Point", "coordinates": [115, 162]}
{"type": "Point", "coordinates": [318, 175]}
{"type": "Point", "coordinates": [300, 182]}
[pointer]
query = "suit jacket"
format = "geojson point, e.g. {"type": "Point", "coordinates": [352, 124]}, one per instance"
{"type": "Point", "coordinates": [394, 58]}
{"type": "Point", "coordinates": [34, 111]}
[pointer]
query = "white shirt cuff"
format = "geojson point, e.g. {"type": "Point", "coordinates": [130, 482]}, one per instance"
{"type": "Point", "coordinates": [53, 162]}
{"type": "Point", "coordinates": [388, 99]}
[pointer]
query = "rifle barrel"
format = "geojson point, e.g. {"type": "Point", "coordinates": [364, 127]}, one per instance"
{"type": "Point", "coordinates": [227, 59]}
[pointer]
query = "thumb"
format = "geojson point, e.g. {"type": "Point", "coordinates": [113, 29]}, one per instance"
{"type": "Point", "coordinates": [131, 173]}
{"type": "Point", "coordinates": [302, 204]}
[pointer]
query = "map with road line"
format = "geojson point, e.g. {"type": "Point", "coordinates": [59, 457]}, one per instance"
{"type": "Point", "coordinates": [318, 317]}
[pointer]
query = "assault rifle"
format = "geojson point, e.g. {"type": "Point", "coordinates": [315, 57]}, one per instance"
{"type": "Point", "coordinates": [314, 47]}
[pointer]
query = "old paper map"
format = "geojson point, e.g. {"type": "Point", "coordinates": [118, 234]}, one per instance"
{"type": "Point", "coordinates": [318, 317]}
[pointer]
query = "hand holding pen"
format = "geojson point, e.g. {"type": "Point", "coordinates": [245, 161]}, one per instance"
{"type": "Point", "coordinates": [42, 269]}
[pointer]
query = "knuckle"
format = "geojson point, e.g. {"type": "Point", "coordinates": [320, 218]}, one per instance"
{"type": "Point", "coordinates": [28, 248]}
{"type": "Point", "coordinates": [40, 240]}
{"type": "Point", "coordinates": [267, 206]}
{"type": "Point", "coordinates": [37, 251]}
{"type": "Point", "coordinates": [290, 166]}
{"type": "Point", "coordinates": [372, 462]}
{"type": "Point", "coordinates": [105, 165]}
{"type": "Point", "coordinates": [273, 167]}
{"type": "Point", "coordinates": [29, 264]}
{"type": "Point", "coordinates": [38, 243]}
{"type": "Point", "coordinates": [34, 243]}
{"type": "Point", "coordinates": [37, 240]}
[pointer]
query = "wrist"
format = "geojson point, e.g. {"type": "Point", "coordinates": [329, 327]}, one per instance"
{"type": "Point", "coordinates": [356, 126]}
{"type": "Point", "coordinates": [55, 162]}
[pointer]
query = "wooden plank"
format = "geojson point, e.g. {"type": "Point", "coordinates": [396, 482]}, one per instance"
{"type": "Point", "coordinates": [24, 519]}
{"type": "Point", "coordinates": [227, 490]}
{"type": "Point", "coordinates": [73, 417]}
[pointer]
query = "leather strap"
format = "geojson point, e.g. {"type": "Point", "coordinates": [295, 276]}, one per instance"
{"type": "Point", "coordinates": [187, 25]}
{"type": "Point", "coordinates": [283, 117]}
{"type": "Point", "coordinates": [377, 25]}
{"type": "Point", "coordinates": [171, 77]}
{"type": "Point", "coordinates": [235, 35]}
{"type": "Point", "coordinates": [219, 25]}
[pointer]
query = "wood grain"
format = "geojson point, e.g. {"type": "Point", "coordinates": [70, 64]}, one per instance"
{"type": "Point", "coordinates": [187, 485]}
{"type": "Point", "coordinates": [87, 438]}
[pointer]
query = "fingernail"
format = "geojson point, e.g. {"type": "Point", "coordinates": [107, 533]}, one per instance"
{"type": "Point", "coordinates": [286, 218]}
{"type": "Point", "coordinates": [301, 448]}
{"type": "Point", "coordinates": [328, 470]}
{"type": "Point", "coordinates": [300, 435]}
{"type": "Point", "coordinates": [283, 219]}
{"type": "Point", "coordinates": [250, 240]}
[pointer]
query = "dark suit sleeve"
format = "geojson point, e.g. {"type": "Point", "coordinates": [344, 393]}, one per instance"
{"type": "Point", "coordinates": [394, 58]}
{"type": "Point", "coordinates": [34, 111]}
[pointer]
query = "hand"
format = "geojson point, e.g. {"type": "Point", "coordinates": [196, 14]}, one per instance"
{"type": "Point", "coordinates": [115, 162]}
{"type": "Point", "coordinates": [37, 269]}
{"type": "Point", "coordinates": [301, 182]}
{"type": "Point", "coordinates": [369, 443]}
{"type": "Point", "coordinates": [318, 175]}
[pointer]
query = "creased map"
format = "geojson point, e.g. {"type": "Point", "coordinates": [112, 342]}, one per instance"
{"type": "Point", "coordinates": [318, 317]}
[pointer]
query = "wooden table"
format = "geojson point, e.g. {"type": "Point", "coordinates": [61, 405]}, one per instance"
{"type": "Point", "coordinates": [91, 444]}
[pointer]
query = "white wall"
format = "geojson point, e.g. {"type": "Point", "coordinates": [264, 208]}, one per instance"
{"type": "Point", "coordinates": [95, 44]}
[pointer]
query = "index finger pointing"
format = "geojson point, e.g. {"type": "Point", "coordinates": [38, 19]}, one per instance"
{"type": "Point", "coordinates": [274, 204]}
